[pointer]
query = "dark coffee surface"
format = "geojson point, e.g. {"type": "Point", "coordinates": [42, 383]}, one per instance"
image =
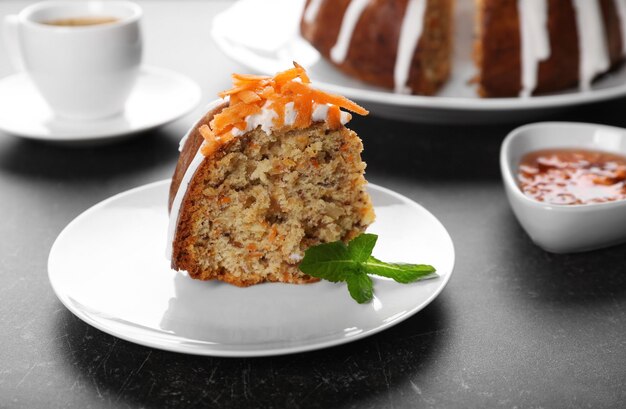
{"type": "Point", "coordinates": [515, 327]}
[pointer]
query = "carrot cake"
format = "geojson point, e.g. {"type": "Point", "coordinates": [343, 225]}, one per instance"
{"type": "Point", "coordinates": [267, 172]}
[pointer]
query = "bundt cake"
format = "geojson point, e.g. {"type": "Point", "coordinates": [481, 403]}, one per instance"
{"type": "Point", "coordinates": [525, 47]}
{"type": "Point", "coordinates": [269, 171]}
{"type": "Point", "coordinates": [522, 47]}
{"type": "Point", "coordinates": [404, 45]}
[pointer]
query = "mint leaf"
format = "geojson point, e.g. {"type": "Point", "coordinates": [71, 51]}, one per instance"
{"type": "Point", "coordinates": [400, 272]}
{"type": "Point", "coordinates": [360, 248]}
{"type": "Point", "coordinates": [353, 262]}
{"type": "Point", "coordinates": [360, 287]}
{"type": "Point", "coordinates": [330, 261]}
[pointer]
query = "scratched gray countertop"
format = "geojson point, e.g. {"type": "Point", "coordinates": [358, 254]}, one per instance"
{"type": "Point", "coordinates": [516, 327]}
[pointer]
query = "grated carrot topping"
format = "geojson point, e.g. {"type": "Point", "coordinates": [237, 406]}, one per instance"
{"type": "Point", "coordinates": [206, 132]}
{"type": "Point", "coordinates": [248, 96]}
{"type": "Point", "coordinates": [240, 125]}
{"type": "Point", "coordinates": [249, 77]}
{"type": "Point", "coordinates": [252, 93]}
{"type": "Point", "coordinates": [304, 109]}
{"type": "Point", "coordinates": [334, 116]}
{"type": "Point", "coordinates": [232, 115]}
{"type": "Point", "coordinates": [291, 74]}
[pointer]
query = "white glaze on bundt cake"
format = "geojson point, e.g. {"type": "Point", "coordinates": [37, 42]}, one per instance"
{"type": "Point", "coordinates": [268, 172]}
{"type": "Point", "coordinates": [522, 47]}
{"type": "Point", "coordinates": [526, 47]}
{"type": "Point", "coordinates": [404, 45]}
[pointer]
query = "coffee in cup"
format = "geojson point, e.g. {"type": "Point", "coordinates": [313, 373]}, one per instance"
{"type": "Point", "coordinates": [80, 21]}
{"type": "Point", "coordinates": [83, 57]}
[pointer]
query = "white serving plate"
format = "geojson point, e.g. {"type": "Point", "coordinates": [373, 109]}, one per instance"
{"type": "Point", "coordinates": [272, 49]}
{"type": "Point", "coordinates": [564, 228]}
{"type": "Point", "coordinates": [108, 267]}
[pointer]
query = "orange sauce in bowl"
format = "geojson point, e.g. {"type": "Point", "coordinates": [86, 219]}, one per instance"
{"type": "Point", "coordinates": [573, 176]}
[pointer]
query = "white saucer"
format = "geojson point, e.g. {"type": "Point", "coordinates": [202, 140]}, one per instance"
{"type": "Point", "coordinates": [274, 48]}
{"type": "Point", "coordinates": [108, 268]}
{"type": "Point", "coordinates": [160, 96]}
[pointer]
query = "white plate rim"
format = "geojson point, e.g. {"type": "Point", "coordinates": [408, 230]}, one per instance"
{"type": "Point", "coordinates": [555, 100]}
{"type": "Point", "coordinates": [104, 135]}
{"type": "Point", "coordinates": [195, 348]}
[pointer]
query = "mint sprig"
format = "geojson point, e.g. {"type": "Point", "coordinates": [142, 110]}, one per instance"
{"type": "Point", "coordinates": [352, 263]}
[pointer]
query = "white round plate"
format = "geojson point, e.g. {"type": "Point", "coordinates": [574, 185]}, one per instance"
{"type": "Point", "coordinates": [108, 267]}
{"type": "Point", "coordinates": [160, 96]}
{"type": "Point", "coordinates": [274, 48]}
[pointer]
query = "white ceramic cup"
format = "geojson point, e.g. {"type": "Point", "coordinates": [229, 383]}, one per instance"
{"type": "Point", "coordinates": [83, 72]}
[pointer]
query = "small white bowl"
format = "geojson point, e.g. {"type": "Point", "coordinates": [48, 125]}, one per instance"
{"type": "Point", "coordinates": [564, 228]}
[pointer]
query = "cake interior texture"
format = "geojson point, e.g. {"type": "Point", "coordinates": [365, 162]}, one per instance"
{"type": "Point", "coordinates": [259, 202]}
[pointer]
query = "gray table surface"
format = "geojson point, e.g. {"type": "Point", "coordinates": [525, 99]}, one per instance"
{"type": "Point", "coordinates": [515, 328]}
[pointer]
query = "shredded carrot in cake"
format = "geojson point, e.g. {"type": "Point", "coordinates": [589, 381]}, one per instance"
{"type": "Point", "coordinates": [252, 93]}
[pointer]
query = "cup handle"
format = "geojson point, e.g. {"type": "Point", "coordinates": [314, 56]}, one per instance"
{"type": "Point", "coordinates": [10, 31]}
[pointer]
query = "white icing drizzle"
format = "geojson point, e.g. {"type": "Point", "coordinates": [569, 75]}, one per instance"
{"type": "Point", "coordinates": [620, 5]}
{"type": "Point", "coordinates": [594, 53]}
{"type": "Point", "coordinates": [351, 17]}
{"type": "Point", "coordinates": [410, 34]}
{"type": "Point", "coordinates": [263, 119]}
{"type": "Point", "coordinates": [178, 200]}
{"type": "Point", "coordinates": [311, 12]}
{"type": "Point", "coordinates": [290, 114]}
{"type": "Point", "coordinates": [182, 188]}
{"type": "Point", "coordinates": [182, 142]}
{"type": "Point", "coordinates": [320, 113]}
{"type": "Point", "coordinates": [535, 41]}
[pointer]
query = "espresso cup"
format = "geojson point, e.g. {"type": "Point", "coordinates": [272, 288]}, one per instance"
{"type": "Point", "coordinates": [83, 57]}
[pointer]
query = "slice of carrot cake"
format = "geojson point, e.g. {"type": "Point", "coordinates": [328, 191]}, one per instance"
{"type": "Point", "coordinates": [269, 171]}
